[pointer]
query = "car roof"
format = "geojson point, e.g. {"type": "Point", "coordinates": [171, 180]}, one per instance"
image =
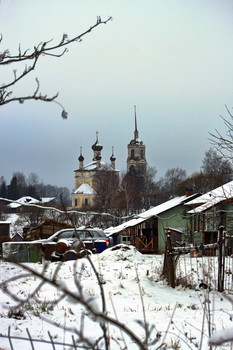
{"type": "Point", "coordinates": [79, 229]}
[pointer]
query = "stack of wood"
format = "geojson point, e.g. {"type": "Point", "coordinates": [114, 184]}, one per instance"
{"type": "Point", "coordinates": [44, 230]}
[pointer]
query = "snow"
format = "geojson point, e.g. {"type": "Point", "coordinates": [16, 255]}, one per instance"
{"type": "Point", "coordinates": [222, 336]}
{"type": "Point", "coordinates": [12, 219]}
{"type": "Point", "coordinates": [93, 165]}
{"type": "Point", "coordinates": [22, 201]}
{"type": "Point", "coordinates": [133, 287]}
{"type": "Point", "coordinates": [47, 199]}
{"type": "Point", "coordinates": [211, 198]}
{"type": "Point", "coordinates": [85, 189]}
{"type": "Point", "coordinates": [163, 207]}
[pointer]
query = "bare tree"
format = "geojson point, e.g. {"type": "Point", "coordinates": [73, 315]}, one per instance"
{"type": "Point", "coordinates": [224, 144]}
{"type": "Point", "coordinates": [31, 58]}
{"type": "Point", "coordinates": [218, 166]}
{"type": "Point", "coordinates": [199, 182]}
{"type": "Point", "coordinates": [150, 187]}
{"type": "Point", "coordinates": [214, 172]}
{"type": "Point", "coordinates": [130, 192]}
{"type": "Point", "coordinates": [107, 186]}
{"type": "Point", "coordinates": [169, 184]}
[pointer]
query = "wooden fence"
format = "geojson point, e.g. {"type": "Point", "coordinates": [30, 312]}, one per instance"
{"type": "Point", "coordinates": [208, 266]}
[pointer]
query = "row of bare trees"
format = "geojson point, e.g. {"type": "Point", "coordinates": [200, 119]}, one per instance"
{"type": "Point", "coordinates": [134, 192]}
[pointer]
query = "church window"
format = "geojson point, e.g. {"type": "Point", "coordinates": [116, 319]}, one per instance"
{"type": "Point", "coordinates": [132, 153]}
{"type": "Point", "coordinates": [132, 169]}
{"type": "Point", "coordinates": [76, 202]}
{"type": "Point", "coordinates": [86, 201]}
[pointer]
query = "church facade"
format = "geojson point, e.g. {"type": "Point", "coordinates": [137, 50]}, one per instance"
{"type": "Point", "coordinates": [87, 177]}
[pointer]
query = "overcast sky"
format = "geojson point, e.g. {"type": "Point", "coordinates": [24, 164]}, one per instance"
{"type": "Point", "coordinates": [173, 59]}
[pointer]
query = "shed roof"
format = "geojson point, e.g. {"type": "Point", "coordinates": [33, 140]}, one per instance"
{"type": "Point", "coordinates": [155, 211]}
{"type": "Point", "coordinates": [211, 198]}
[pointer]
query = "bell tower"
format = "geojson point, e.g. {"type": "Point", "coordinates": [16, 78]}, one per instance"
{"type": "Point", "coordinates": [136, 161]}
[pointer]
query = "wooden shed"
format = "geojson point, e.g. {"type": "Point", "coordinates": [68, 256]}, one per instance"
{"type": "Point", "coordinates": [146, 231]}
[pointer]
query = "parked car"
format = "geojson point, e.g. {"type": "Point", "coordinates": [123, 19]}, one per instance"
{"type": "Point", "coordinates": [67, 243]}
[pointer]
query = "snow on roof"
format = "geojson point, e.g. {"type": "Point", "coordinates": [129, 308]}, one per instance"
{"type": "Point", "coordinates": [212, 198]}
{"type": "Point", "coordinates": [11, 218]}
{"type": "Point", "coordinates": [47, 199]}
{"type": "Point", "coordinates": [147, 214]}
{"type": "Point", "coordinates": [111, 230]}
{"type": "Point", "coordinates": [23, 200]}
{"type": "Point", "coordinates": [85, 189]}
{"type": "Point", "coordinates": [93, 165]}
{"type": "Point", "coordinates": [163, 207]}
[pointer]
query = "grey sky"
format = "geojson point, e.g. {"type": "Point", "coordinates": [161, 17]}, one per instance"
{"type": "Point", "coordinates": [170, 58]}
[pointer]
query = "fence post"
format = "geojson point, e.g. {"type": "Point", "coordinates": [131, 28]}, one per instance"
{"type": "Point", "coordinates": [221, 258]}
{"type": "Point", "coordinates": [169, 264]}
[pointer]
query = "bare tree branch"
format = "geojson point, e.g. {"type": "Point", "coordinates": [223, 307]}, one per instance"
{"type": "Point", "coordinates": [224, 144]}
{"type": "Point", "coordinates": [42, 49]}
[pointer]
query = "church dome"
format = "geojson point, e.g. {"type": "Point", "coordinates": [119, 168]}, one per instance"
{"type": "Point", "coordinates": [81, 158]}
{"type": "Point", "coordinates": [97, 146]}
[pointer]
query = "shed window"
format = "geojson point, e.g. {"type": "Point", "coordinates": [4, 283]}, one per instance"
{"type": "Point", "coordinates": [125, 239]}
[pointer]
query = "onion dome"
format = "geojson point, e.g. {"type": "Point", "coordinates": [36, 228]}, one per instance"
{"type": "Point", "coordinates": [97, 147]}
{"type": "Point", "coordinates": [81, 158]}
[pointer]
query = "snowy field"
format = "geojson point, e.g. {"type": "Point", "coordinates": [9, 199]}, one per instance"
{"type": "Point", "coordinates": [135, 295]}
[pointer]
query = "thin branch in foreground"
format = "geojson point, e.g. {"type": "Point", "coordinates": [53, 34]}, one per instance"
{"type": "Point", "coordinates": [42, 49]}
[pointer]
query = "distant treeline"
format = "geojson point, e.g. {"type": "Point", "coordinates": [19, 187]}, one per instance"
{"type": "Point", "coordinates": [21, 186]}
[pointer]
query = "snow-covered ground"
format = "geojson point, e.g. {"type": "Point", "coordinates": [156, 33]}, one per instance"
{"type": "Point", "coordinates": [134, 292]}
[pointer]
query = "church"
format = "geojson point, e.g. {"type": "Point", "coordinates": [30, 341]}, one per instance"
{"type": "Point", "coordinates": [136, 161]}
{"type": "Point", "coordinates": [86, 176]}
